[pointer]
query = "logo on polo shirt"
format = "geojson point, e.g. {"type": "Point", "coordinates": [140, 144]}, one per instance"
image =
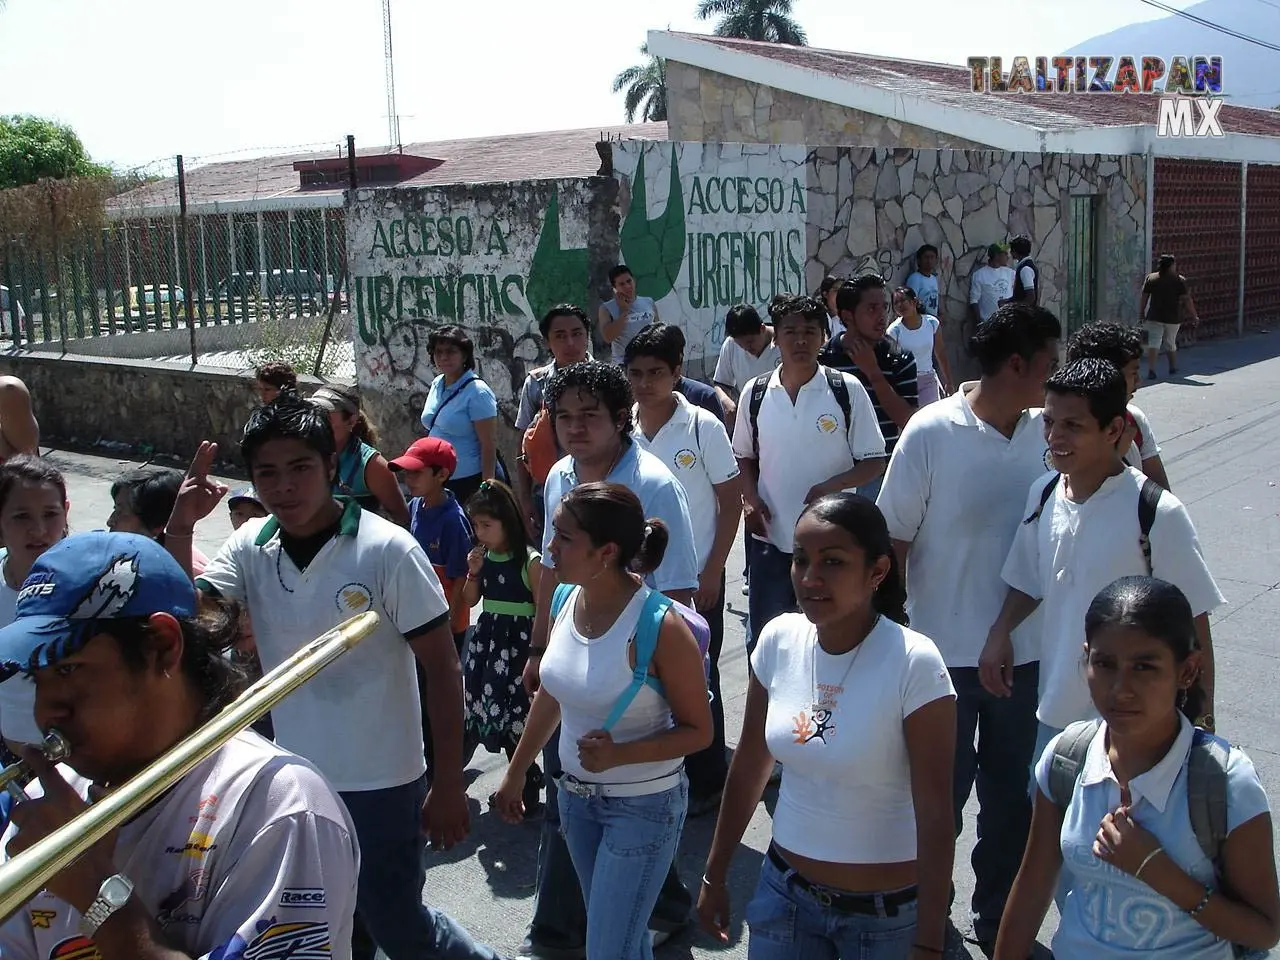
{"type": "Point", "coordinates": [828, 424]}
{"type": "Point", "coordinates": [353, 598]}
{"type": "Point", "coordinates": [685, 459]}
{"type": "Point", "coordinates": [1048, 460]}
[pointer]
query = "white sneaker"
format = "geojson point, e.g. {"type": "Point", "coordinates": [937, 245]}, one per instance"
{"type": "Point", "coordinates": [658, 937]}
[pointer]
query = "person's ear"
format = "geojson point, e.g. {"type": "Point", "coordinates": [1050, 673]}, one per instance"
{"type": "Point", "coordinates": [1189, 669]}
{"type": "Point", "coordinates": [165, 636]}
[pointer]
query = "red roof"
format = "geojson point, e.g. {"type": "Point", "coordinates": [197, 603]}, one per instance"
{"type": "Point", "coordinates": [952, 85]}
{"type": "Point", "coordinates": [557, 154]}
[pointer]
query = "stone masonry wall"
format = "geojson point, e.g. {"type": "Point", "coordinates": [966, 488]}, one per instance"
{"type": "Point", "coordinates": [871, 208]}
{"type": "Point", "coordinates": [712, 107]}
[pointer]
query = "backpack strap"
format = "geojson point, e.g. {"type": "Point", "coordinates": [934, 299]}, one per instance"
{"type": "Point", "coordinates": [646, 640]}
{"type": "Point", "coordinates": [1045, 494]}
{"type": "Point", "coordinates": [759, 386]}
{"type": "Point", "coordinates": [1207, 793]}
{"type": "Point", "coordinates": [558, 598]}
{"type": "Point", "coordinates": [840, 390]}
{"type": "Point", "coordinates": [1148, 504]}
{"type": "Point", "coordinates": [1068, 757]}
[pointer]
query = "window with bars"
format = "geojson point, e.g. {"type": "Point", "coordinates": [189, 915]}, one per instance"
{"type": "Point", "coordinates": [1082, 261]}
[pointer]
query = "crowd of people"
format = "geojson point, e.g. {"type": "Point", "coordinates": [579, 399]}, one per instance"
{"type": "Point", "coordinates": [951, 586]}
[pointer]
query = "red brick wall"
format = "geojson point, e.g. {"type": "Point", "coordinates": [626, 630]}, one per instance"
{"type": "Point", "coordinates": [1197, 219]}
{"type": "Point", "coordinates": [1262, 247]}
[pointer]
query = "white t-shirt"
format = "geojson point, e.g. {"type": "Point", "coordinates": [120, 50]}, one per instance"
{"type": "Point", "coordinates": [835, 725]}
{"type": "Point", "coordinates": [917, 342]}
{"type": "Point", "coordinates": [926, 291]}
{"type": "Point", "coordinates": [802, 444]}
{"type": "Point", "coordinates": [642, 313]}
{"type": "Point", "coordinates": [954, 490]}
{"type": "Point", "coordinates": [1136, 455]}
{"type": "Point", "coordinates": [736, 366]}
{"type": "Point", "coordinates": [360, 719]}
{"type": "Point", "coordinates": [1073, 551]}
{"type": "Point", "coordinates": [988, 287]}
{"type": "Point", "coordinates": [695, 448]}
{"type": "Point", "coordinates": [252, 854]}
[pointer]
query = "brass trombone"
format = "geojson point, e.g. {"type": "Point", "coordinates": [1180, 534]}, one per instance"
{"type": "Point", "coordinates": [26, 874]}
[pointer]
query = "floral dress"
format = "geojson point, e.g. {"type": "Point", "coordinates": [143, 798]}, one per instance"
{"type": "Point", "coordinates": [496, 701]}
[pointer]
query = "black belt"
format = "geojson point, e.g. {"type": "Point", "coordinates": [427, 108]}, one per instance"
{"type": "Point", "coordinates": [866, 904]}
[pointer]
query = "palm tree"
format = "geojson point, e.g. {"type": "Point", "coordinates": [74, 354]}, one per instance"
{"type": "Point", "coordinates": [646, 86]}
{"type": "Point", "coordinates": [768, 20]}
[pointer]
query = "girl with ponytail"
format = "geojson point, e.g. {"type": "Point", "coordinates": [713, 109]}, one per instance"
{"type": "Point", "coordinates": [1124, 844]}
{"type": "Point", "coordinates": [861, 713]}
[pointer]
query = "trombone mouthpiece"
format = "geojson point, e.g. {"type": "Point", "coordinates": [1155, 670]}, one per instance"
{"type": "Point", "coordinates": [14, 777]}
{"type": "Point", "coordinates": [55, 746]}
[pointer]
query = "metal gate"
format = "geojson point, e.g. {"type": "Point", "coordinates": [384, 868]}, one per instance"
{"type": "Point", "coordinates": [1082, 262]}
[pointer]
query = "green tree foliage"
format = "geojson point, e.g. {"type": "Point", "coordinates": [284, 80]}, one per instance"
{"type": "Point", "coordinates": [32, 149]}
{"type": "Point", "coordinates": [646, 88]}
{"type": "Point", "coordinates": [767, 20]}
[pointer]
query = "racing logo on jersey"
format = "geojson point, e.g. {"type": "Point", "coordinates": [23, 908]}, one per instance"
{"type": "Point", "coordinates": [827, 423]}
{"type": "Point", "coordinates": [197, 845]}
{"type": "Point", "coordinates": [43, 919]}
{"type": "Point", "coordinates": [685, 459]}
{"type": "Point", "coordinates": [206, 810]}
{"type": "Point", "coordinates": [302, 897]}
{"type": "Point", "coordinates": [291, 941]}
{"type": "Point", "coordinates": [191, 892]}
{"type": "Point", "coordinates": [353, 598]}
{"type": "Point", "coordinates": [77, 948]}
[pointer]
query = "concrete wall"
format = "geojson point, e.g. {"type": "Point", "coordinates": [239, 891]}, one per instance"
{"type": "Point", "coordinates": [162, 408]}
{"type": "Point", "coordinates": [713, 107]}
{"type": "Point", "coordinates": [489, 257]}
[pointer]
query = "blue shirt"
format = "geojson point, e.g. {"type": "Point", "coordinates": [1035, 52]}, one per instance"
{"type": "Point", "coordinates": [450, 413]}
{"type": "Point", "coordinates": [1107, 913]}
{"type": "Point", "coordinates": [443, 532]}
{"type": "Point", "coordinates": [926, 291]}
{"type": "Point", "coordinates": [643, 312]}
{"type": "Point", "coordinates": [661, 496]}
{"type": "Point", "coordinates": [701, 395]}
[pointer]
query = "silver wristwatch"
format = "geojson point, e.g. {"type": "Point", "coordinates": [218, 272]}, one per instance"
{"type": "Point", "coordinates": [112, 895]}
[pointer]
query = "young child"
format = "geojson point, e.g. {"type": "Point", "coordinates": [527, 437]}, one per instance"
{"type": "Point", "coordinates": [245, 506]}
{"type": "Point", "coordinates": [503, 572]}
{"type": "Point", "coordinates": [440, 526]}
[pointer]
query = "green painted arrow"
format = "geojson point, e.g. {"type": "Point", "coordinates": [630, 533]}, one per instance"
{"type": "Point", "coordinates": [654, 249]}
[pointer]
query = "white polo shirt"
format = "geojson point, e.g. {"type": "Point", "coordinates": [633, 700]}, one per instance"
{"type": "Point", "coordinates": [802, 444]}
{"type": "Point", "coordinates": [954, 490]}
{"type": "Point", "coordinates": [1075, 550]}
{"type": "Point", "coordinates": [736, 366]}
{"type": "Point", "coordinates": [359, 720]}
{"type": "Point", "coordinates": [694, 445]}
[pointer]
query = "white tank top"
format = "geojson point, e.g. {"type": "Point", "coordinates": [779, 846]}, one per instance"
{"type": "Point", "coordinates": [587, 675]}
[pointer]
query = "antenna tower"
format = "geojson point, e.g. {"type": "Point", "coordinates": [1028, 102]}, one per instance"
{"type": "Point", "coordinates": [393, 120]}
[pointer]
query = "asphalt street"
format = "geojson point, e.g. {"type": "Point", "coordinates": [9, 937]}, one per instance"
{"type": "Point", "coordinates": [1217, 424]}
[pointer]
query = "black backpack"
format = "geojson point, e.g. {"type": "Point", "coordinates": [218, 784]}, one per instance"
{"type": "Point", "coordinates": [1148, 501]}
{"type": "Point", "coordinates": [760, 385]}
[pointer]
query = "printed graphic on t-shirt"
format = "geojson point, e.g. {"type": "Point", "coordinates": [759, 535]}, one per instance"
{"type": "Point", "coordinates": [276, 940]}
{"type": "Point", "coordinates": [827, 423]}
{"type": "Point", "coordinates": [818, 722]}
{"type": "Point", "coordinates": [353, 598]}
{"type": "Point", "coordinates": [685, 459]}
{"type": "Point", "coordinates": [75, 948]}
{"type": "Point", "coordinates": [43, 919]}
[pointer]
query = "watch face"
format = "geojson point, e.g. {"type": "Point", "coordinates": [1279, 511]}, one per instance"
{"type": "Point", "coordinates": [116, 891]}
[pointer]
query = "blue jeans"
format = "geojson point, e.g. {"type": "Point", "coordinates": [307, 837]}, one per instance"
{"type": "Point", "coordinates": [1005, 729]}
{"type": "Point", "coordinates": [392, 873]}
{"type": "Point", "coordinates": [622, 848]}
{"type": "Point", "coordinates": [559, 914]}
{"type": "Point", "coordinates": [871, 490]}
{"type": "Point", "coordinates": [771, 593]}
{"type": "Point", "coordinates": [787, 923]}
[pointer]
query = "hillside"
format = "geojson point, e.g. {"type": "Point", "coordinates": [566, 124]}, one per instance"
{"type": "Point", "coordinates": [1250, 74]}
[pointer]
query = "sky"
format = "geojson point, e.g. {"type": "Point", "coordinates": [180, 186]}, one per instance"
{"type": "Point", "coordinates": [143, 80]}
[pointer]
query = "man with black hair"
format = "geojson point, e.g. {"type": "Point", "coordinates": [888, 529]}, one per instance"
{"type": "Point", "coordinates": [952, 498]}
{"type": "Point", "coordinates": [626, 314]}
{"type": "Point", "coordinates": [1165, 300]}
{"type": "Point", "coordinates": [1121, 346]}
{"type": "Point", "coordinates": [591, 404]}
{"type": "Point", "coordinates": [748, 351]}
{"type": "Point", "coordinates": [694, 446]}
{"type": "Point", "coordinates": [143, 500]}
{"type": "Point", "coordinates": [1026, 275]}
{"type": "Point", "coordinates": [887, 372]}
{"type": "Point", "coordinates": [567, 333]}
{"type": "Point", "coordinates": [803, 430]}
{"type": "Point", "coordinates": [1089, 524]}
{"type": "Point", "coordinates": [314, 563]}
{"type": "Point", "coordinates": [924, 281]}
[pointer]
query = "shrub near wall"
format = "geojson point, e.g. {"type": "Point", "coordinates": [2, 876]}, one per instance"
{"type": "Point", "coordinates": [157, 407]}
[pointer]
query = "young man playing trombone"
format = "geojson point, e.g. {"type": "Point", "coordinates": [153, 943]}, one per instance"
{"type": "Point", "coordinates": [250, 854]}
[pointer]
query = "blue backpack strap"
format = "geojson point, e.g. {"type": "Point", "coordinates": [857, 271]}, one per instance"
{"type": "Point", "coordinates": [559, 597]}
{"type": "Point", "coordinates": [646, 641]}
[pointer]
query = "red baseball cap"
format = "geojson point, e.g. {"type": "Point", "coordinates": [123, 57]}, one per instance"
{"type": "Point", "coordinates": [427, 452]}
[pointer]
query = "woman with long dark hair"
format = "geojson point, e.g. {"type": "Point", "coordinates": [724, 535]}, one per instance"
{"type": "Point", "coordinates": [861, 713]}
{"type": "Point", "coordinates": [1120, 829]}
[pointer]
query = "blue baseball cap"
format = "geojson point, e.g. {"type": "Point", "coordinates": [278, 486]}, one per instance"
{"type": "Point", "coordinates": [84, 580]}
